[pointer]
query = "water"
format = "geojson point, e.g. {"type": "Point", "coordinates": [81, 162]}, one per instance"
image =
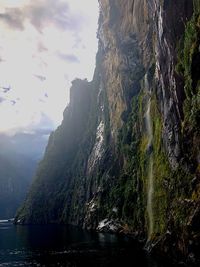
{"type": "Point", "coordinates": [150, 186]}
{"type": "Point", "coordinates": [54, 245]}
{"type": "Point", "coordinates": [150, 197]}
{"type": "Point", "coordinates": [148, 124]}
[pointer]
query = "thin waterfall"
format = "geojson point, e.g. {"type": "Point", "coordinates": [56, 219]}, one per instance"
{"type": "Point", "coordinates": [150, 185]}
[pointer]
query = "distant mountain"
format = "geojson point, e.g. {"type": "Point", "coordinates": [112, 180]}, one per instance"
{"type": "Point", "coordinates": [19, 155]}
{"type": "Point", "coordinates": [26, 144]}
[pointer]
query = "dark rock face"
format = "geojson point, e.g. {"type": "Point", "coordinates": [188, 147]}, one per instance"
{"type": "Point", "coordinates": [126, 155]}
{"type": "Point", "coordinates": [171, 18]}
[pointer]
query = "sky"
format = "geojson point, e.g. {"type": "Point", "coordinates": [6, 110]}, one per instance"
{"type": "Point", "coordinates": [44, 45]}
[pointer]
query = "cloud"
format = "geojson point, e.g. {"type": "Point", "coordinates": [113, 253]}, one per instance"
{"type": "Point", "coordinates": [42, 131]}
{"type": "Point", "coordinates": [13, 102]}
{"type": "Point", "coordinates": [5, 89]}
{"type": "Point", "coordinates": [40, 77]}
{"type": "Point", "coordinates": [42, 48]}
{"type": "Point", "coordinates": [2, 60]}
{"type": "Point", "coordinates": [13, 17]}
{"type": "Point", "coordinates": [68, 57]}
{"type": "Point", "coordinates": [34, 132]}
{"type": "Point", "coordinates": [45, 125]}
{"type": "Point", "coordinates": [45, 38]}
{"type": "Point", "coordinates": [41, 14]}
{"type": "Point", "coordinates": [2, 99]}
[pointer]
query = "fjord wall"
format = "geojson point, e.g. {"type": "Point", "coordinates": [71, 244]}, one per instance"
{"type": "Point", "coordinates": [126, 156]}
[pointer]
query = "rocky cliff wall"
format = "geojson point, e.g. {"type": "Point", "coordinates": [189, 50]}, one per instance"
{"type": "Point", "coordinates": [126, 157]}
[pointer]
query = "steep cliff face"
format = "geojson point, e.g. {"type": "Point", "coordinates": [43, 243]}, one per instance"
{"type": "Point", "coordinates": [126, 157]}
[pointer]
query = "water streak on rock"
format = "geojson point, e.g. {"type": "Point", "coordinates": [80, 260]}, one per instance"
{"type": "Point", "coordinates": [150, 186]}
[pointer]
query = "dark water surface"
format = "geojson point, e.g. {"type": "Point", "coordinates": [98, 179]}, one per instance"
{"type": "Point", "coordinates": [55, 245]}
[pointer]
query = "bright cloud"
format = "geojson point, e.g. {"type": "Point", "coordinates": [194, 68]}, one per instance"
{"type": "Point", "coordinates": [45, 44]}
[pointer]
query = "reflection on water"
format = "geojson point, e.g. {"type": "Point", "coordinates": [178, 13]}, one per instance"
{"type": "Point", "coordinates": [55, 245]}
